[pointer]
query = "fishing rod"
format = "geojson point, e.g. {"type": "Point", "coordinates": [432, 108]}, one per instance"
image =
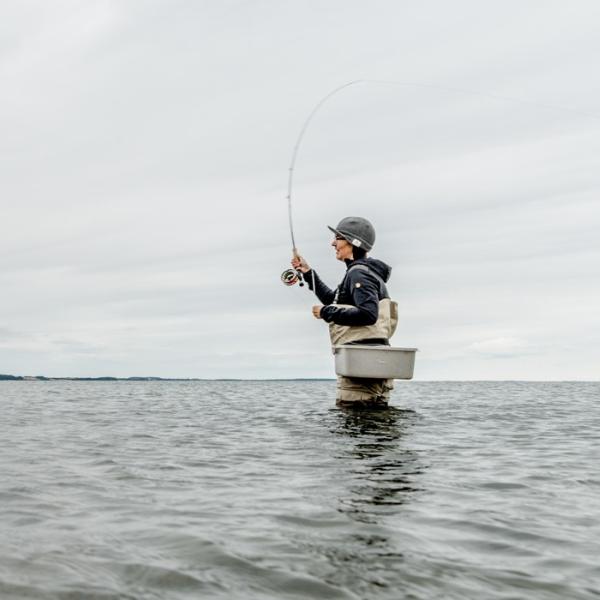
{"type": "Point", "coordinates": [293, 276]}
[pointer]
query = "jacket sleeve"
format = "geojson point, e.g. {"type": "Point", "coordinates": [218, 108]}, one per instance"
{"type": "Point", "coordinates": [364, 289]}
{"type": "Point", "coordinates": [322, 291]}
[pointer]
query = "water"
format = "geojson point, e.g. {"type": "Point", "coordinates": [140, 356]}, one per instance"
{"type": "Point", "coordinates": [260, 490]}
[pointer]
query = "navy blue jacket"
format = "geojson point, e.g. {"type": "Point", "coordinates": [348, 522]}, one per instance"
{"type": "Point", "coordinates": [361, 288]}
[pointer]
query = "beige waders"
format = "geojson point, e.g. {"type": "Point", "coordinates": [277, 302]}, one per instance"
{"type": "Point", "coordinates": [358, 392]}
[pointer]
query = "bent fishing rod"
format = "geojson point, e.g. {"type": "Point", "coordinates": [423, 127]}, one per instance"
{"type": "Point", "coordinates": [293, 276]}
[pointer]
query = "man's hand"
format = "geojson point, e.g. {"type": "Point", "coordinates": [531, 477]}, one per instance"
{"type": "Point", "coordinates": [316, 310]}
{"type": "Point", "coordinates": [300, 264]}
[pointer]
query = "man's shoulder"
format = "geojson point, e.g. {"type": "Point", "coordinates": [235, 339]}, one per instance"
{"type": "Point", "coordinates": [361, 272]}
{"type": "Point", "coordinates": [362, 265]}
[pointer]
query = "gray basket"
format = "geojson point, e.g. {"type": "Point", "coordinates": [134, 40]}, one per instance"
{"type": "Point", "coordinates": [374, 362]}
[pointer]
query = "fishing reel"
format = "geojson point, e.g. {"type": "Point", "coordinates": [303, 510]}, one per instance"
{"type": "Point", "coordinates": [292, 277]}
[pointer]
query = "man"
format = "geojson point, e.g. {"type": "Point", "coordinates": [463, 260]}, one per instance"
{"type": "Point", "coordinates": [359, 310]}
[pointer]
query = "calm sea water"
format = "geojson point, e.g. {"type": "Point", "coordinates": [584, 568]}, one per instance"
{"type": "Point", "coordinates": [266, 490]}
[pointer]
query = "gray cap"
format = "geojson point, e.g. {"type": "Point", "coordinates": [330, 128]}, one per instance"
{"type": "Point", "coordinates": [357, 231]}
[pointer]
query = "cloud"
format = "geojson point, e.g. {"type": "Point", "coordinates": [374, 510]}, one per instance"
{"type": "Point", "coordinates": [145, 153]}
{"type": "Point", "coordinates": [501, 347]}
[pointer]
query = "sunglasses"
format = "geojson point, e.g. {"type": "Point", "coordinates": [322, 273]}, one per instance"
{"type": "Point", "coordinates": [339, 237]}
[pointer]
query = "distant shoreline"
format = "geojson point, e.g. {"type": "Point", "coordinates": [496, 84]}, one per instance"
{"type": "Point", "coordinates": [44, 378]}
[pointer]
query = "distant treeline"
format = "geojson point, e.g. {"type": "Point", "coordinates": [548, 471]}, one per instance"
{"type": "Point", "coordinates": [42, 378]}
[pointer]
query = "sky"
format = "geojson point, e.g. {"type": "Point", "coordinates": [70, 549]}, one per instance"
{"type": "Point", "coordinates": [145, 152]}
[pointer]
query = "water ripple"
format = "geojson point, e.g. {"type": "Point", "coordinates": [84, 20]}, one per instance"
{"type": "Point", "coordinates": [262, 490]}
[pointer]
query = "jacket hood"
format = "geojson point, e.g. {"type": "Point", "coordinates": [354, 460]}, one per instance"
{"type": "Point", "coordinates": [378, 266]}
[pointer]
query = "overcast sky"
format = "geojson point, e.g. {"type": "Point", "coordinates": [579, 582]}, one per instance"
{"type": "Point", "coordinates": [144, 155]}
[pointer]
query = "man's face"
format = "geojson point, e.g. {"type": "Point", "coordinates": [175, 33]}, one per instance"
{"type": "Point", "coordinates": [343, 249]}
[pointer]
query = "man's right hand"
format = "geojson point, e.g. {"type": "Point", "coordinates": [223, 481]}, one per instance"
{"type": "Point", "coordinates": [300, 264]}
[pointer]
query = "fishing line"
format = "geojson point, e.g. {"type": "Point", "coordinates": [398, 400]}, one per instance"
{"type": "Point", "coordinates": [291, 276]}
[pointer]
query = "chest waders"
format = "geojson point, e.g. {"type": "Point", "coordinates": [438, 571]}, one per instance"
{"type": "Point", "coordinates": [359, 391]}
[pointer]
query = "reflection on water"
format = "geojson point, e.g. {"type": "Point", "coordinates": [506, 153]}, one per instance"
{"type": "Point", "coordinates": [383, 471]}
{"type": "Point", "coordinates": [377, 475]}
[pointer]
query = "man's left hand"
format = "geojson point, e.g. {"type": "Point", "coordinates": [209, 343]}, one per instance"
{"type": "Point", "coordinates": [316, 310]}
